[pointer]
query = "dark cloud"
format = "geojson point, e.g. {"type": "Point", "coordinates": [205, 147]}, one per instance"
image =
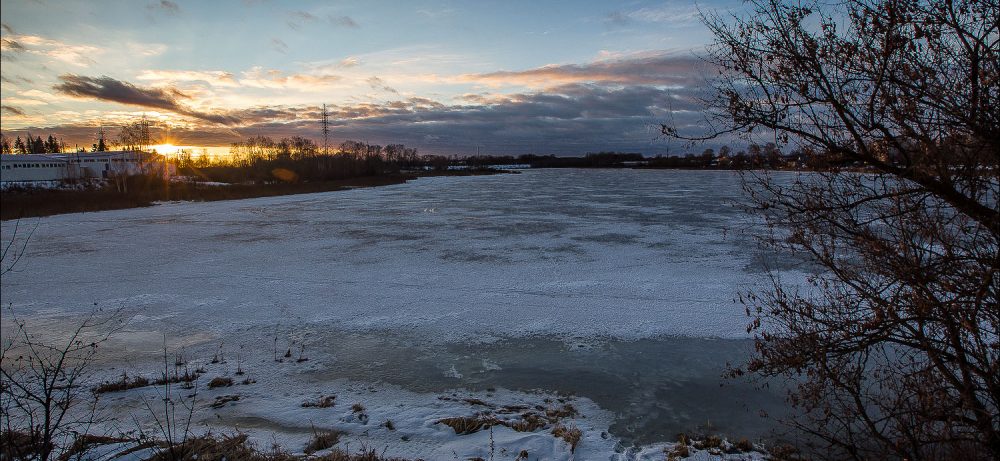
{"type": "Point", "coordinates": [108, 89]}
{"type": "Point", "coordinates": [6, 28]}
{"type": "Point", "coordinates": [12, 110]}
{"type": "Point", "coordinates": [343, 21]}
{"type": "Point", "coordinates": [379, 84]}
{"type": "Point", "coordinates": [166, 6]}
{"type": "Point", "coordinates": [645, 69]}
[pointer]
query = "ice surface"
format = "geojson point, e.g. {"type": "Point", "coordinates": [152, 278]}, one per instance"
{"type": "Point", "coordinates": [616, 285]}
{"type": "Point", "coordinates": [625, 254]}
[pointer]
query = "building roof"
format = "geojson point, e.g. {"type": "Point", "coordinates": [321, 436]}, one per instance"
{"type": "Point", "coordinates": [10, 158]}
{"type": "Point", "coordinates": [74, 156]}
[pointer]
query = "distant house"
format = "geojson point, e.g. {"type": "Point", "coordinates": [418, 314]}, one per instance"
{"type": "Point", "coordinates": [48, 168]}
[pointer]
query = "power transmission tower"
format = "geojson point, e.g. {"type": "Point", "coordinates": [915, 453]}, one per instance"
{"type": "Point", "coordinates": [144, 134]}
{"type": "Point", "coordinates": [326, 131]}
{"type": "Point", "coordinates": [101, 142]}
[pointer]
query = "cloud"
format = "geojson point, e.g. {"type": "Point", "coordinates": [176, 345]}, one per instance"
{"type": "Point", "coordinates": [279, 45]}
{"type": "Point", "coordinates": [6, 28]}
{"type": "Point", "coordinates": [617, 18]}
{"type": "Point", "coordinates": [349, 61]}
{"type": "Point", "coordinates": [216, 78]}
{"type": "Point", "coordinates": [648, 68]}
{"type": "Point", "coordinates": [613, 103]}
{"type": "Point", "coordinates": [108, 89]}
{"type": "Point", "coordinates": [258, 77]}
{"type": "Point", "coordinates": [166, 6]}
{"type": "Point", "coordinates": [379, 84]}
{"type": "Point", "coordinates": [79, 55]}
{"type": "Point", "coordinates": [297, 18]}
{"type": "Point", "coordinates": [11, 110]}
{"type": "Point", "coordinates": [568, 119]}
{"type": "Point", "coordinates": [670, 13]}
{"type": "Point", "coordinates": [11, 45]}
{"type": "Point", "coordinates": [343, 21]}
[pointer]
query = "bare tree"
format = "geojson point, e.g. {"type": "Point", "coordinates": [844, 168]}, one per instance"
{"type": "Point", "coordinates": [42, 394]}
{"type": "Point", "coordinates": [893, 345]}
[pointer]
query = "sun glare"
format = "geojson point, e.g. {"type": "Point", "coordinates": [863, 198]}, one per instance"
{"type": "Point", "coordinates": [165, 149]}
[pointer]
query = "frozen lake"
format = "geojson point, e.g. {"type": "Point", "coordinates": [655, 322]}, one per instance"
{"type": "Point", "coordinates": [614, 285]}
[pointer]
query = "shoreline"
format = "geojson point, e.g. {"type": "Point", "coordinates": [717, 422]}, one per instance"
{"type": "Point", "coordinates": [37, 202]}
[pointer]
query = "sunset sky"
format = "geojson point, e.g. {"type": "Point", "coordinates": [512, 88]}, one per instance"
{"type": "Point", "coordinates": [510, 77]}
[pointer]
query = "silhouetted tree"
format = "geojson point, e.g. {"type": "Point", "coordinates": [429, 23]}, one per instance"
{"type": "Point", "coordinates": [893, 350]}
{"type": "Point", "coordinates": [19, 146]}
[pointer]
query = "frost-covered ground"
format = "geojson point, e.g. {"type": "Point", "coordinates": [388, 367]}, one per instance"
{"type": "Point", "coordinates": [616, 286]}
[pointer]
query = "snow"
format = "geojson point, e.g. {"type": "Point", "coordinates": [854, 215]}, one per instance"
{"type": "Point", "coordinates": [585, 257]}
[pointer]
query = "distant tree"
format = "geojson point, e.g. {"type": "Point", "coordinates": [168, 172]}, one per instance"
{"type": "Point", "coordinates": [52, 145]}
{"type": "Point", "coordinates": [893, 348]}
{"type": "Point", "coordinates": [5, 145]}
{"type": "Point", "coordinates": [37, 145]}
{"type": "Point", "coordinates": [20, 147]}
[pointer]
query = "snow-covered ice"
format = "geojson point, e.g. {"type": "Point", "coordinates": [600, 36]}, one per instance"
{"type": "Point", "coordinates": [457, 274]}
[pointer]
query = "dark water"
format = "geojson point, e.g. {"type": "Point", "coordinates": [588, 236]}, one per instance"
{"type": "Point", "coordinates": [657, 388]}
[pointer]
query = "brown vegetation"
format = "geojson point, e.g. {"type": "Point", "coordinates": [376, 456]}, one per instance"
{"type": "Point", "coordinates": [123, 384]}
{"type": "Point", "coordinates": [322, 402]}
{"type": "Point", "coordinates": [220, 381]}
{"type": "Point", "coordinates": [321, 441]}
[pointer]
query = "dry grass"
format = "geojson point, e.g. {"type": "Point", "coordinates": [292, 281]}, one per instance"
{"type": "Point", "coordinates": [744, 445]}
{"type": "Point", "coordinates": [323, 402]}
{"type": "Point", "coordinates": [143, 192]}
{"type": "Point", "coordinates": [122, 384]}
{"type": "Point", "coordinates": [220, 381]}
{"type": "Point", "coordinates": [712, 441]}
{"type": "Point", "coordinates": [224, 448]}
{"type": "Point", "coordinates": [187, 377]}
{"type": "Point", "coordinates": [321, 441]}
{"type": "Point", "coordinates": [571, 434]}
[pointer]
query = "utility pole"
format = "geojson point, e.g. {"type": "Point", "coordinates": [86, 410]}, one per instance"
{"type": "Point", "coordinates": [326, 131]}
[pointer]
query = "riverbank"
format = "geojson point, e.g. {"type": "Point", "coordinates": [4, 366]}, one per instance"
{"type": "Point", "coordinates": [31, 202]}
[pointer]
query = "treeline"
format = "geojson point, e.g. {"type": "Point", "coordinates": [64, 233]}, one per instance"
{"type": "Point", "coordinates": [261, 159]}
{"type": "Point", "coordinates": [32, 146]}
{"type": "Point", "coordinates": [767, 156]}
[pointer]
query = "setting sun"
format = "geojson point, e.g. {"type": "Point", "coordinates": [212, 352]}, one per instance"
{"type": "Point", "coordinates": [165, 149]}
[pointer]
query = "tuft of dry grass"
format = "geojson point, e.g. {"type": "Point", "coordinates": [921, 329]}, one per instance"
{"type": "Point", "coordinates": [571, 434]}
{"type": "Point", "coordinates": [220, 381]}
{"type": "Point", "coordinates": [464, 425]}
{"type": "Point", "coordinates": [323, 402]}
{"type": "Point", "coordinates": [712, 441]}
{"type": "Point", "coordinates": [744, 445]}
{"type": "Point", "coordinates": [187, 377]}
{"type": "Point", "coordinates": [122, 384]}
{"type": "Point", "coordinates": [321, 441]}
{"type": "Point", "coordinates": [677, 452]}
{"type": "Point", "coordinates": [389, 425]}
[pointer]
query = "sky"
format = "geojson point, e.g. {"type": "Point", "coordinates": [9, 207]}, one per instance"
{"type": "Point", "coordinates": [447, 77]}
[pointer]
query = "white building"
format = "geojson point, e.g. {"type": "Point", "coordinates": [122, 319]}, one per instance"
{"type": "Point", "coordinates": [42, 168]}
